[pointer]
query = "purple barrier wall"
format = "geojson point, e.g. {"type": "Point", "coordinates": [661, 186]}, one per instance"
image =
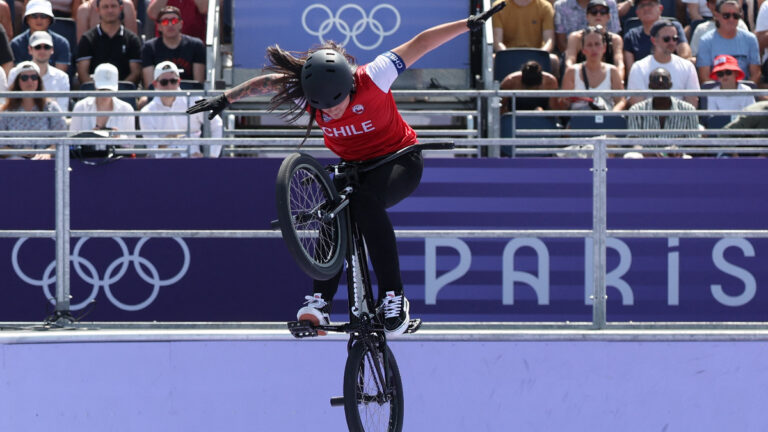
{"type": "Point", "coordinates": [449, 386]}
{"type": "Point", "coordinates": [522, 279]}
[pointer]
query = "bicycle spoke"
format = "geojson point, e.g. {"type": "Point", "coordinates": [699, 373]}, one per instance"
{"type": "Point", "coordinates": [373, 404]}
{"type": "Point", "coordinates": [308, 202]}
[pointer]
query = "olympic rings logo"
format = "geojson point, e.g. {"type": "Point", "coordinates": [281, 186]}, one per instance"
{"type": "Point", "coordinates": [115, 271]}
{"type": "Point", "coordinates": [357, 29]}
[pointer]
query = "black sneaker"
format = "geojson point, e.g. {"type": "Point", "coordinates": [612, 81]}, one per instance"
{"type": "Point", "coordinates": [395, 309]}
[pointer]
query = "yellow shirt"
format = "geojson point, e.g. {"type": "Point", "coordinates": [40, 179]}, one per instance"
{"type": "Point", "coordinates": [523, 25]}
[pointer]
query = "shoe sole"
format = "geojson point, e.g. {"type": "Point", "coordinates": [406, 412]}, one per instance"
{"type": "Point", "coordinates": [315, 322]}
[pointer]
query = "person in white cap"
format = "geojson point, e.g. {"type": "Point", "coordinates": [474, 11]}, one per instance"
{"type": "Point", "coordinates": [41, 50]}
{"type": "Point", "coordinates": [26, 77]}
{"type": "Point", "coordinates": [39, 17]}
{"type": "Point", "coordinates": [167, 78]}
{"type": "Point", "coordinates": [104, 78]}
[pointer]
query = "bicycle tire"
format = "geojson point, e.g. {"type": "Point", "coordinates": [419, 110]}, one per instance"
{"type": "Point", "coordinates": [304, 191]}
{"type": "Point", "coordinates": [366, 412]}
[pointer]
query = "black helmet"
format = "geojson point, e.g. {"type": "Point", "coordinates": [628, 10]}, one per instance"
{"type": "Point", "coordinates": [326, 78]}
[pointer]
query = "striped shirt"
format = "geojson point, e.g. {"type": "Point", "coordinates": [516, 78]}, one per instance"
{"type": "Point", "coordinates": [674, 121]}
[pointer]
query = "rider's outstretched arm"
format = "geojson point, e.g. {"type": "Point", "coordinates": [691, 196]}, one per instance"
{"type": "Point", "coordinates": [428, 40]}
{"type": "Point", "coordinates": [262, 84]}
{"type": "Point", "coordinates": [432, 38]}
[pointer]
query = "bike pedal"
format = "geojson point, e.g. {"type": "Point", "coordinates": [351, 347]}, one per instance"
{"type": "Point", "coordinates": [414, 325]}
{"type": "Point", "coordinates": [302, 329]}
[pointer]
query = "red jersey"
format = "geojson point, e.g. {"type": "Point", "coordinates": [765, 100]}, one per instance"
{"type": "Point", "coordinates": [371, 126]}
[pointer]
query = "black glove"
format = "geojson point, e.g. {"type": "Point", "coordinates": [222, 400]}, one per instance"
{"type": "Point", "coordinates": [475, 22]}
{"type": "Point", "coordinates": [215, 105]}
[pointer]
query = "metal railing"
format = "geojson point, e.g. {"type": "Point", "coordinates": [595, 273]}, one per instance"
{"type": "Point", "coordinates": [487, 104]}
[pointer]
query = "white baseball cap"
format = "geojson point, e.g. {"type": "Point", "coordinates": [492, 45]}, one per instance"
{"type": "Point", "coordinates": [105, 77]}
{"type": "Point", "coordinates": [21, 67]}
{"type": "Point", "coordinates": [167, 66]}
{"type": "Point", "coordinates": [40, 37]}
{"type": "Point", "coordinates": [39, 6]}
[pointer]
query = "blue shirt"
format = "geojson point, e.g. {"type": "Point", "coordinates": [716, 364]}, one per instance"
{"type": "Point", "coordinates": [639, 43]}
{"type": "Point", "coordinates": [61, 50]}
{"type": "Point", "coordinates": [743, 47]}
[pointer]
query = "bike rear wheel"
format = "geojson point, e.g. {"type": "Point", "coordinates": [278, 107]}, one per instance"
{"type": "Point", "coordinates": [370, 404]}
{"type": "Point", "coordinates": [305, 195]}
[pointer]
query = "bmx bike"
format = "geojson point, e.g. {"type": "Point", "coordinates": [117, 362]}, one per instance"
{"type": "Point", "coordinates": [319, 229]}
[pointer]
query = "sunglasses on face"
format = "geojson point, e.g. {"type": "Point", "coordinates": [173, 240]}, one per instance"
{"type": "Point", "coordinates": [723, 73]}
{"type": "Point", "coordinates": [169, 21]}
{"type": "Point", "coordinates": [728, 15]}
{"type": "Point", "coordinates": [165, 82]}
{"type": "Point", "coordinates": [37, 16]}
{"type": "Point", "coordinates": [29, 77]}
{"type": "Point", "coordinates": [598, 11]}
{"type": "Point", "coordinates": [666, 39]}
{"type": "Point", "coordinates": [42, 47]}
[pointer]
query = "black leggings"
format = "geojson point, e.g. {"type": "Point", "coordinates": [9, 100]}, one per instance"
{"type": "Point", "coordinates": [378, 190]}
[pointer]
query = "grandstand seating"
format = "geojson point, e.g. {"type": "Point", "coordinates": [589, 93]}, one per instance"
{"type": "Point", "coordinates": [598, 122]}
{"type": "Point", "coordinates": [191, 85]}
{"type": "Point", "coordinates": [524, 123]}
{"type": "Point", "coordinates": [122, 85]}
{"type": "Point", "coordinates": [512, 59]}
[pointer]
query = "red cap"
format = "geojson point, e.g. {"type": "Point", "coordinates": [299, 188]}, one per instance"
{"type": "Point", "coordinates": [726, 62]}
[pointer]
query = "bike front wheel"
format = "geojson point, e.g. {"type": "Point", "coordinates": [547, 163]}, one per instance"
{"type": "Point", "coordinates": [373, 390]}
{"type": "Point", "coordinates": [305, 197]}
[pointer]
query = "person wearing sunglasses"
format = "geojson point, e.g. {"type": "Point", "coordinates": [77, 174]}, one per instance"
{"type": "Point", "coordinates": [664, 37]}
{"type": "Point", "coordinates": [598, 14]}
{"type": "Point", "coordinates": [571, 16]}
{"type": "Point", "coordinates": [39, 16]}
{"type": "Point", "coordinates": [109, 42]}
{"type": "Point", "coordinates": [41, 50]}
{"type": "Point", "coordinates": [726, 71]}
{"type": "Point", "coordinates": [729, 39]}
{"type": "Point", "coordinates": [637, 40]}
{"type": "Point", "coordinates": [186, 51]}
{"type": "Point", "coordinates": [682, 115]}
{"type": "Point", "coordinates": [166, 78]}
{"type": "Point", "coordinates": [26, 77]}
{"type": "Point", "coordinates": [707, 26]}
{"type": "Point", "coordinates": [193, 15]}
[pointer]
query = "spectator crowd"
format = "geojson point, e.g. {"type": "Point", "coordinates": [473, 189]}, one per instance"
{"type": "Point", "coordinates": [105, 51]}
{"type": "Point", "coordinates": [587, 45]}
{"type": "Point", "coordinates": [637, 45]}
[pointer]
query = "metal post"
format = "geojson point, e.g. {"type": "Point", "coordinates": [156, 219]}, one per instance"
{"type": "Point", "coordinates": [599, 235]}
{"type": "Point", "coordinates": [492, 119]}
{"type": "Point", "coordinates": [62, 232]}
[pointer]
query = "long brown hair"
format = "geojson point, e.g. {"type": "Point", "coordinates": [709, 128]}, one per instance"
{"type": "Point", "coordinates": [289, 64]}
{"type": "Point", "coordinates": [13, 104]}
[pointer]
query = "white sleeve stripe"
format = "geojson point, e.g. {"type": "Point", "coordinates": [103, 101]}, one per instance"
{"type": "Point", "coordinates": [384, 69]}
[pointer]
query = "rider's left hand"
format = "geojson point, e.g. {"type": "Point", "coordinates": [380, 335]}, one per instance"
{"type": "Point", "coordinates": [475, 22]}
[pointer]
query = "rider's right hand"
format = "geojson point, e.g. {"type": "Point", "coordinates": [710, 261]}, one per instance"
{"type": "Point", "coordinates": [215, 105]}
